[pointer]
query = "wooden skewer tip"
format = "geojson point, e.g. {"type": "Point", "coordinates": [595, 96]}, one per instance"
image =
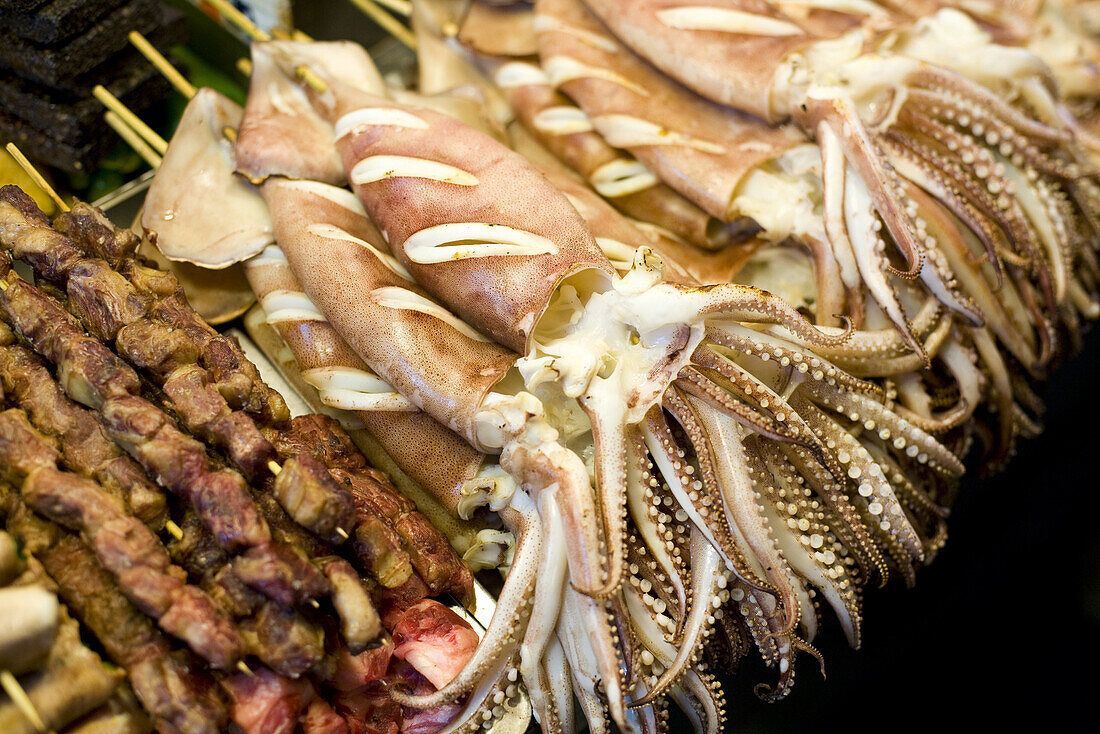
{"type": "Point", "coordinates": [274, 467]}
{"type": "Point", "coordinates": [175, 530]}
{"type": "Point", "coordinates": [342, 533]}
{"type": "Point", "coordinates": [22, 701]}
{"type": "Point", "coordinates": [239, 19]}
{"type": "Point", "coordinates": [241, 666]}
{"type": "Point", "coordinates": [163, 65]}
{"type": "Point", "coordinates": [315, 604]}
{"type": "Point", "coordinates": [37, 177]}
{"type": "Point", "coordinates": [111, 102]}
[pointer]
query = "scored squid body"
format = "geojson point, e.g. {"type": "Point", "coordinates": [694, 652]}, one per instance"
{"type": "Point", "coordinates": [701, 148]}
{"type": "Point", "coordinates": [730, 164]}
{"type": "Point", "coordinates": [194, 188]}
{"type": "Point", "coordinates": [409, 339]}
{"type": "Point", "coordinates": [632, 188]}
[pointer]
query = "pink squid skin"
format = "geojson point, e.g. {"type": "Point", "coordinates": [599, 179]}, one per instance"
{"type": "Point", "coordinates": [433, 456]}
{"type": "Point", "coordinates": [411, 350]}
{"type": "Point", "coordinates": [708, 177]}
{"type": "Point", "coordinates": [586, 153]}
{"type": "Point", "coordinates": [281, 134]}
{"type": "Point", "coordinates": [685, 263]}
{"type": "Point", "coordinates": [504, 295]}
{"type": "Point", "coordinates": [749, 61]}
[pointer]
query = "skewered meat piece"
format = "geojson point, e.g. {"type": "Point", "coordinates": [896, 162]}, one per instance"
{"type": "Point", "coordinates": [32, 240]}
{"type": "Point", "coordinates": [84, 445]}
{"type": "Point", "coordinates": [205, 411]}
{"type": "Point", "coordinates": [391, 538]}
{"type": "Point", "coordinates": [96, 234]}
{"type": "Point", "coordinates": [102, 299]}
{"type": "Point", "coordinates": [264, 703]}
{"type": "Point", "coordinates": [170, 687]}
{"type": "Point", "coordinates": [124, 546]}
{"type": "Point", "coordinates": [88, 371]}
{"type": "Point", "coordinates": [280, 572]}
{"type": "Point", "coordinates": [283, 639]}
{"type": "Point", "coordinates": [297, 645]}
{"type": "Point", "coordinates": [360, 624]}
{"type": "Point", "coordinates": [180, 463]}
{"type": "Point", "coordinates": [197, 552]}
{"type": "Point", "coordinates": [307, 491]}
{"type": "Point", "coordinates": [237, 378]}
{"type": "Point", "coordinates": [153, 346]}
{"type": "Point", "coordinates": [428, 551]}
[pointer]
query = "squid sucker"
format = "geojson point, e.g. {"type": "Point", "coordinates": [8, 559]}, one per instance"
{"type": "Point", "coordinates": [712, 396]}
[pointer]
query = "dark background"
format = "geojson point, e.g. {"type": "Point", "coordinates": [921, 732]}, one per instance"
{"type": "Point", "coordinates": [1002, 631]}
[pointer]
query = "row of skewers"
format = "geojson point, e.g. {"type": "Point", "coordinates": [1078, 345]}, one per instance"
{"type": "Point", "coordinates": [104, 455]}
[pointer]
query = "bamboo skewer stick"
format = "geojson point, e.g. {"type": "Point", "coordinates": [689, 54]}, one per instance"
{"type": "Point", "coordinates": [112, 103]}
{"type": "Point", "coordinates": [401, 7]}
{"type": "Point", "coordinates": [388, 23]}
{"type": "Point", "coordinates": [239, 19]}
{"type": "Point", "coordinates": [156, 58]}
{"type": "Point", "coordinates": [132, 139]}
{"type": "Point", "coordinates": [21, 700]}
{"type": "Point", "coordinates": [37, 177]}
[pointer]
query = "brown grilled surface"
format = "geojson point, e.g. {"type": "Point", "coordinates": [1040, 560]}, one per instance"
{"type": "Point", "coordinates": [391, 538]}
{"type": "Point", "coordinates": [246, 549]}
{"type": "Point", "coordinates": [88, 225]}
{"type": "Point", "coordinates": [122, 544]}
{"type": "Point", "coordinates": [85, 446]}
{"type": "Point", "coordinates": [169, 682]}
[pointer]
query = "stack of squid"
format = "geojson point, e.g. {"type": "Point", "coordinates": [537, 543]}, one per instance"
{"type": "Point", "coordinates": [706, 303]}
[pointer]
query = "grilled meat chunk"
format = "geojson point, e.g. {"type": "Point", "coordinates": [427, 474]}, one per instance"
{"type": "Point", "coordinates": [310, 495]}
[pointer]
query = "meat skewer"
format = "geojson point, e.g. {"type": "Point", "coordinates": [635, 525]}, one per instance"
{"type": "Point", "coordinates": [40, 397]}
{"type": "Point", "coordinates": [361, 629]}
{"type": "Point", "coordinates": [306, 497]}
{"type": "Point", "coordinates": [109, 389]}
{"type": "Point", "coordinates": [167, 682]}
{"type": "Point", "coordinates": [91, 374]}
{"type": "Point", "coordinates": [84, 446]}
{"type": "Point", "coordinates": [169, 344]}
{"type": "Point", "coordinates": [122, 544]}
